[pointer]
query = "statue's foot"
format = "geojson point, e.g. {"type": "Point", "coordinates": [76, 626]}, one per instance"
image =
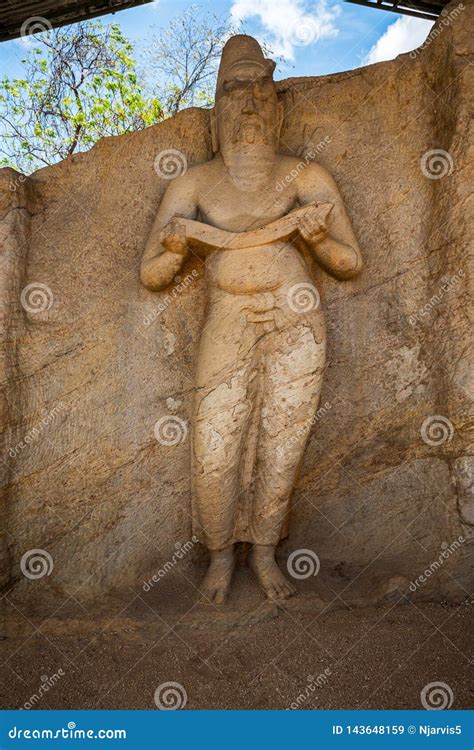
{"type": "Point", "coordinates": [270, 577]}
{"type": "Point", "coordinates": [215, 586]}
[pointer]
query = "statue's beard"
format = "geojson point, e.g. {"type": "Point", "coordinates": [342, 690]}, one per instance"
{"type": "Point", "coordinates": [249, 152]}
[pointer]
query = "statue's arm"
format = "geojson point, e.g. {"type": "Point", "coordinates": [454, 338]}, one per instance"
{"type": "Point", "coordinates": [165, 252]}
{"type": "Point", "coordinates": [333, 243]}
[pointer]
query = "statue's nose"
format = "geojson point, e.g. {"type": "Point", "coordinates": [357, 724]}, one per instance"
{"type": "Point", "coordinates": [249, 106]}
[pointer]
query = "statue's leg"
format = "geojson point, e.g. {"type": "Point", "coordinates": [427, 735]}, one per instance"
{"type": "Point", "coordinates": [221, 414]}
{"type": "Point", "coordinates": [225, 383]}
{"type": "Point", "coordinates": [294, 367]}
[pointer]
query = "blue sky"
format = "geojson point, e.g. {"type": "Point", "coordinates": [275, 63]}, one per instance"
{"type": "Point", "coordinates": [316, 38]}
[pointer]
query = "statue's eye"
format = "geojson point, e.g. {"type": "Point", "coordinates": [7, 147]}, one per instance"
{"type": "Point", "coordinates": [263, 88]}
{"type": "Point", "coordinates": [235, 86]}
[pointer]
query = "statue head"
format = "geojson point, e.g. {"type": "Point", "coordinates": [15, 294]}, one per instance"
{"type": "Point", "coordinates": [247, 115]}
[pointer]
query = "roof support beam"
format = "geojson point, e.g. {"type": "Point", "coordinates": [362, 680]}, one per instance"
{"type": "Point", "coordinates": [18, 18]}
{"type": "Point", "coordinates": [417, 8]}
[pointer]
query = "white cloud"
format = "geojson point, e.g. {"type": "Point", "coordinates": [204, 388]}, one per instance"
{"type": "Point", "coordinates": [405, 34]}
{"type": "Point", "coordinates": [287, 24]}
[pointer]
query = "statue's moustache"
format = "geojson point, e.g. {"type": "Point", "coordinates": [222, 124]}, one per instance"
{"type": "Point", "coordinates": [248, 121]}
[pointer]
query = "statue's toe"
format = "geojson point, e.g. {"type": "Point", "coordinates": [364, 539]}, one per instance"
{"type": "Point", "coordinates": [220, 596]}
{"type": "Point", "coordinates": [291, 588]}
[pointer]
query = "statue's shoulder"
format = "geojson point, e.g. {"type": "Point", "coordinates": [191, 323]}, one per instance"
{"type": "Point", "coordinates": [308, 172]}
{"type": "Point", "coordinates": [188, 180]}
{"type": "Point", "coordinates": [301, 167]}
{"type": "Point", "coordinates": [202, 171]}
{"type": "Point", "coordinates": [287, 162]}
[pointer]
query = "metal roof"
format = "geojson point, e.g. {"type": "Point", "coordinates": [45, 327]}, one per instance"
{"type": "Point", "coordinates": [419, 8]}
{"type": "Point", "coordinates": [23, 17]}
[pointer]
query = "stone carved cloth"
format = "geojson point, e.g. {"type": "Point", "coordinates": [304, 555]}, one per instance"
{"type": "Point", "coordinates": [258, 378]}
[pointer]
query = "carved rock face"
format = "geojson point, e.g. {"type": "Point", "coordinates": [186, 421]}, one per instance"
{"type": "Point", "coordinates": [371, 491]}
{"type": "Point", "coordinates": [263, 346]}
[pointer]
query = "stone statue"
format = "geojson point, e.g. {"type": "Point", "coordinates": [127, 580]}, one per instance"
{"type": "Point", "coordinates": [256, 216]}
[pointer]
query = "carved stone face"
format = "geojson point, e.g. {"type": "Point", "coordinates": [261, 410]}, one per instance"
{"type": "Point", "coordinates": [247, 111]}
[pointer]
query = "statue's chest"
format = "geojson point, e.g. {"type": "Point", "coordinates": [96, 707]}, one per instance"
{"type": "Point", "coordinates": [241, 210]}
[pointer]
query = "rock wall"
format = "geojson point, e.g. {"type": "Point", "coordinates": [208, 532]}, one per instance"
{"type": "Point", "coordinates": [92, 360]}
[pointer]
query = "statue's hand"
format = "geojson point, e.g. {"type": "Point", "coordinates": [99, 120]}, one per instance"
{"type": "Point", "coordinates": [173, 237]}
{"type": "Point", "coordinates": [312, 225]}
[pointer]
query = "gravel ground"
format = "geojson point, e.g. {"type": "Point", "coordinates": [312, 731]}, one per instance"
{"type": "Point", "coordinates": [318, 650]}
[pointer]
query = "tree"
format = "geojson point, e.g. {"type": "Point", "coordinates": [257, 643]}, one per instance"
{"type": "Point", "coordinates": [80, 83]}
{"type": "Point", "coordinates": [185, 57]}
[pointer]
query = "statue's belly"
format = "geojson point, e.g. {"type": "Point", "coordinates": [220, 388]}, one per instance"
{"type": "Point", "coordinates": [257, 269]}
